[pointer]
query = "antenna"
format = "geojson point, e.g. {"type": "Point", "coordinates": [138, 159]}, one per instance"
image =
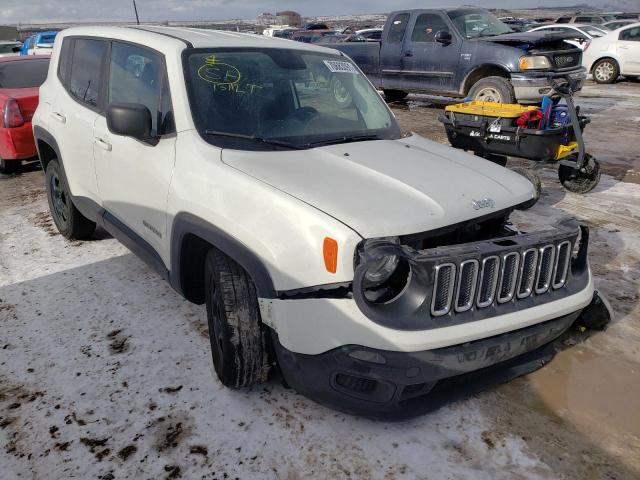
{"type": "Point", "coordinates": [135, 9]}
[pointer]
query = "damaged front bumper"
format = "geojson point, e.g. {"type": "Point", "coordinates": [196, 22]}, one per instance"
{"type": "Point", "coordinates": [389, 384]}
{"type": "Point", "coordinates": [530, 87]}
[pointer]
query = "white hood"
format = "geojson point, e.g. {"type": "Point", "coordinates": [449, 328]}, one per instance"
{"type": "Point", "coordinates": [388, 187]}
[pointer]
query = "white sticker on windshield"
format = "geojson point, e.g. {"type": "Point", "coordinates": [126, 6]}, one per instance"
{"type": "Point", "coordinates": [341, 67]}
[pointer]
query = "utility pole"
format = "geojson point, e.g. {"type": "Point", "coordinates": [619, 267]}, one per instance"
{"type": "Point", "coordinates": [135, 9]}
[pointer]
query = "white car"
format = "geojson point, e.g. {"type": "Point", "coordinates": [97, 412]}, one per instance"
{"type": "Point", "coordinates": [615, 54]}
{"type": "Point", "coordinates": [269, 180]}
{"type": "Point", "coordinates": [9, 49]}
{"type": "Point", "coordinates": [583, 33]}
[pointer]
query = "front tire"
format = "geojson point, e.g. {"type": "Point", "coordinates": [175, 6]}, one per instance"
{"type": "Point", "coordinates": [493, 89]}
{"type": "Point", "coordinates": [68, 219]}
{"type": "Point", "coordinates": [606, 71]}
{"type": "Point", "coordinates": [237, 335]}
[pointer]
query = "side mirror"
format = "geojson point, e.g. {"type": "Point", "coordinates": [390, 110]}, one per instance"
{"type": "Point", "coordinates": [130, 120]}
{"type": "Point", "coordinates": [444, 37]}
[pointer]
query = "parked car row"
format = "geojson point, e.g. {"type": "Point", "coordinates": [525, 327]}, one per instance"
{"type": "Point", "coordinates": [607, 53]}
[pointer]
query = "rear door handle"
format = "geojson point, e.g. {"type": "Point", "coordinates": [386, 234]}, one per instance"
{"type": "Point", "coordinates": [59, 117]}
{"type": "Point", "coordinates": [408, 54]}
{"type": "Point", "coordinates": [623, 47]}
{"type": "Point", "coordinates": [102, 144]}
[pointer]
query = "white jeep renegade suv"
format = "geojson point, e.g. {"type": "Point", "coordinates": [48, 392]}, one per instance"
{"type": "Point", "coordinates": [267, 179]}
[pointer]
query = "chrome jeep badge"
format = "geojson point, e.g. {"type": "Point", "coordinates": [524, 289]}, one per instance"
{"type": "Point", "coordinates": [484, 203]}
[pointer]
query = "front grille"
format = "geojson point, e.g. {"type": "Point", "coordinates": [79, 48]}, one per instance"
{"type": "Point", "coordinates": [445, 280]}
{"type": "Point", "coordinates": [545, 268]}
{"type": "Point", "coordinates": [527, 273]}
{"type": "Point", "coordinates": [466, 287]}
{"type": "Point", "coordinates": [508, 276]}
{"type": "Point", "coordinates": [512, 276]}
{"type": "Point", "coordinates": [562, 264]}
{"type": "Point", "coordinates": [488, 281]}
{"type": "Point", "coordinates": [566, 60]}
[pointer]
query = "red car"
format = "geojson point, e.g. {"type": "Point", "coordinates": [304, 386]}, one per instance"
{"type": "Point", "coordinates": [20, 79]}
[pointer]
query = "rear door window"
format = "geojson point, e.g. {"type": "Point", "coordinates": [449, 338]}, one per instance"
{"type": "Point", "coordinates": [630, 34]}
{"type": "Point", "coordinates": [85, 83]}
{"type": "Point", "coordinates": [426, 27]}
{"type": "Point", "coordinates": [398, 27]}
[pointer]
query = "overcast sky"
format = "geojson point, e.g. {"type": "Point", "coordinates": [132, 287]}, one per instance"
{"type": "Point", "coordinates": [26, 11]}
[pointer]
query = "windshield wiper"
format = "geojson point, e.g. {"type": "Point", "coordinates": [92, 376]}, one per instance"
{"type": "Point", "coordinates": [345, 139]}
{"type": "Point", "coordinates": [266, 141]}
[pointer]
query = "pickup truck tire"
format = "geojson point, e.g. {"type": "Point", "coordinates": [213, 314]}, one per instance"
{"type": "Point", "coordinates": [394, 95]}
{"type": "Point", "coordinates": [492, 89]}
{"type": "Point", "coordinates": [68, 219]}
{"type": "Point", "coordinates": [605, 70]}
{"type": "Point", "coordinates": [9, 167]}
{"type": "Point", "coordinates": [237, 336]}
{"type": "Point", "coordinates": [537, 185]}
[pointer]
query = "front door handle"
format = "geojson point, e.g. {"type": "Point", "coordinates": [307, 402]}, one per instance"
{"type": "Point", "coordinates": [623, 47]}
{"type": "Point", "coordinates": [408, 54]}
{"type": "Point", "coordinates": [59, 117]}
{"type": "Point", "coordinates": [102, 144]}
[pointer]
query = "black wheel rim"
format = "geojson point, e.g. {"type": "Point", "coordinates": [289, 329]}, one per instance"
{"type": "Point", "coordinates": [59, 199]}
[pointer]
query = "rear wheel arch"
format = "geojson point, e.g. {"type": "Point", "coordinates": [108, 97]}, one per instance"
{"type": "Point", "coordinates": [480, 72]}
{"type": "Point", "coordinates": [191, 240]}
{"type": "Point", "coordinates": [595, 62]}
{"type": "Point", "coordinates": [47, 147]}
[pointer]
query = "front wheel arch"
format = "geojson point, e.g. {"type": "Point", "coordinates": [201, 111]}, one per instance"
{"type": "Point", "coordinates": [191, 239]}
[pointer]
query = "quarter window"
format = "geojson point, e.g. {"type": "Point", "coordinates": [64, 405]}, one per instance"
{"type": "Point", "coordinates": [427, 25]}
{"type": "Point", "coordinates": [86, 71]}
{"type": "Point", "coordinates": [64, 61]}
{"type": "Point", "coordinates": [136, 76]}
{"type": "Point", "coordinates": [398, 27]}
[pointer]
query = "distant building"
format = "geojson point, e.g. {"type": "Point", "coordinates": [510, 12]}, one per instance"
{"type": "Point", "coordinates": [8, 33]}
{"type": "Point", "coordinates": [267, 18]}
{"type": "Point", "coordinates": [288, 17]}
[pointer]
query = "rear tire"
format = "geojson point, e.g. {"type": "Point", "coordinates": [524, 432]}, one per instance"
{"type": "Point", "coordinates": [606, 70]}
{"type": "Point", "coordinates": [68, 219]}
{"type": "Point", "coordinates": [9, 167]}
{"type": "Point", "coordinates": [237, 335]}
{"type": "Point", "coordinates": [493, 89]}
{"type": "Point", "coordinates": [537, 185]}
{"type": "Point", "coordinates": [394, 95]}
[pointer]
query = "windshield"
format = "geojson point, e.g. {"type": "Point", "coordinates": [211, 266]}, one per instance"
{"type": "Point", "coordinates": [23, 73]}
{"type": "Point", "coordinates": [255, 98]}
{"type": "Point", "coordinates": [477, 23]}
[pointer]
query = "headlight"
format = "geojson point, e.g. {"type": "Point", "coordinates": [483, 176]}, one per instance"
{"type": "Point", "coordinates": [380, 271]}
{"type": "Point", "coordinates": [385, 278]}
{"type": "Point", "coordinates": [534, 62]}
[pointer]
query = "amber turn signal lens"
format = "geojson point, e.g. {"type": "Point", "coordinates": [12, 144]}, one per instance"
{"type": "Point", "coordinates": [330, 251]}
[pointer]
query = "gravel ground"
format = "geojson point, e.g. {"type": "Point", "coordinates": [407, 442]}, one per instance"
{"type": "Point", "coordinates": [106, 373]}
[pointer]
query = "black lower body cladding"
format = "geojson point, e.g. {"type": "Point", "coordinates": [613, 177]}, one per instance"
{"type": "Point", "coordinates": [396, 385]}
